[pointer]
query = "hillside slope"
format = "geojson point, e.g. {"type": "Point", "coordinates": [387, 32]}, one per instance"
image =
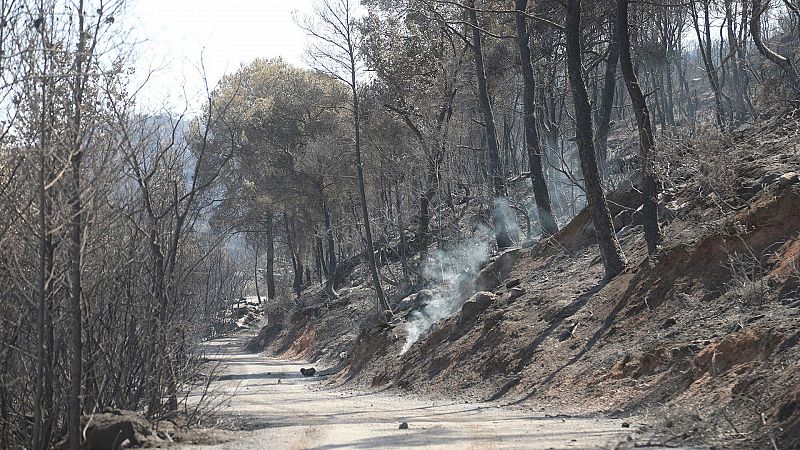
{"type": "Point", "coordinates": [704, 334]}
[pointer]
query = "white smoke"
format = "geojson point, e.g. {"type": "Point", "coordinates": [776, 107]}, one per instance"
{"type": "Point", "coordinates": [505, 219]}
{"type": "Point", "coordinates": [453, 274]}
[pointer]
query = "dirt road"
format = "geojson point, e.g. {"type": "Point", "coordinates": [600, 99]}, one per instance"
{"type": "Point", "coordinates": [288, 411]}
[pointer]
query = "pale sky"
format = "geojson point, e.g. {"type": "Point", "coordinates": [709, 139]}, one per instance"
{"type": "Point", "coordinates": [173, 34]}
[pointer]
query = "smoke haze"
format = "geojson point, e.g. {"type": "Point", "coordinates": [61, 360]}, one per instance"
{"type": "Point", "coordinates": [452, 274]}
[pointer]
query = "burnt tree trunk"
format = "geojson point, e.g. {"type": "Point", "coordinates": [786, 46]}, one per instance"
{"type": "Point", "coordinates": [610, 250]}
{"type": "Point", "coordinates": [708, 63]}
{"type": "Point", "coordinates": [501, 231]}
{"type": "Point", "coordinates": [403, 249]}
{"type": "Point", "coordinates": [255, 271]}
{"type": "Point", "coordinates": [330, 279]}
{"type": "Point", "coordinates": [533, 144]}
{"type": "Point", "coordinates": [74, 408]}
{"type": "Point", "coordinates": [423, 232]}
{"type": "Point", "coordinates": [297, 262]}
{"type": "Point", "coordinates": [43, 388]}
{"type": "Point", "coordinates": [268, 226]}
{"type": "Point", "coordinates": [652, 233]}
{"type": "Point", "coordinates": [607, 102]}
{"type": "Point", "coordinates": [381, 305]}
{"type": "Point", "coordinates": [319, 263]}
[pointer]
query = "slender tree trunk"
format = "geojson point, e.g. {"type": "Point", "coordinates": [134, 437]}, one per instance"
{"type": "Point", "coordinates": [44, 369]}
{"type": "Point", "coordinates": [297, 262]}
{"type": "Point", "coordinates": [533, 144]}
{"type": "Point", "coordinates": [669, 92]}
{"type": "Point", "coordinates": [330, 279]}
{"type": "Point", "coordinates": [172, 385]}
{"type": "Point", "coordinates": [381, 305]}
{"type": "Point", "coordinates": [607, 102]}
{"type": "Point", "coordinates": [690, 97]}
{"type": "Point", "coordinates": [402, 229]}
{"type": "Point", "coordinates": [76, 246]}
{"type": "Point", "coordinates": [50, 362]}
{"type": "Point", "coordinates": [658, 102]}
{"type": "Point", "coordinates": [610, 250]}
{"type": "Point", "coordinates": [37, 439]}
{"type": "Point", "coordinates": [154, 363]}
{"type": "Point", "coordinates": [423, 233]}
{"type": "Point", "coordinates": [319, 262]}
{"type": "Point", "coordinates": [705, 54]}
{"type": "Point", "coordinates": [76, 328]}
{"type": "Point", "coordinates": [298, 283]}
{"type": "Point", "coordinates": [268, 226]}
{"type": "Point", "coordinates": [739, 105]}
{"type": "Point", "coordinates": [501, 228]}
{"type": "Point", "coordinates": [506, 160]}
{"type": "Point", "coordinates": [652, 233]}
{"type": "Point", "coordinates": [423, 237]}
{"type": "Point", "coordinates": [255, 270]}
{"type": "Point", "coordinates": [741, 56]}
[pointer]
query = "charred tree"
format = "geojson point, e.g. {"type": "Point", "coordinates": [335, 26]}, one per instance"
{"type": "Point", "coordinates": [501, 231]}
{"type": "Point", "coordinates": [330, 252]}
{"type": "Point", "coordinates": [610, 250]}
{"type": "Point", "coordinates": [270, 232]}
{"type": "Point", "coordinates": [76, 239]}
{"type": "Point", "coordinates": [532, 142]}
{"type": "Point", "coordinates": [652, 233]}
{"type": "Point", "coordinates": [607, 100]}
{"type": "Point", "coordinates": [255, 270]}
{"type": "Point", "coordinates": [704, 46]}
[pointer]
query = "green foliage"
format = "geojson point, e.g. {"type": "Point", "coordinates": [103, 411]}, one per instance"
{"type": "Point", "coordinates": [285, 128]}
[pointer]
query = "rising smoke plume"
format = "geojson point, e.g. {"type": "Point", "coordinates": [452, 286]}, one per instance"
{"type": "Point", "coordinates": [505, 219]}
{"type": "Point", "coordinates": [452, 273]}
